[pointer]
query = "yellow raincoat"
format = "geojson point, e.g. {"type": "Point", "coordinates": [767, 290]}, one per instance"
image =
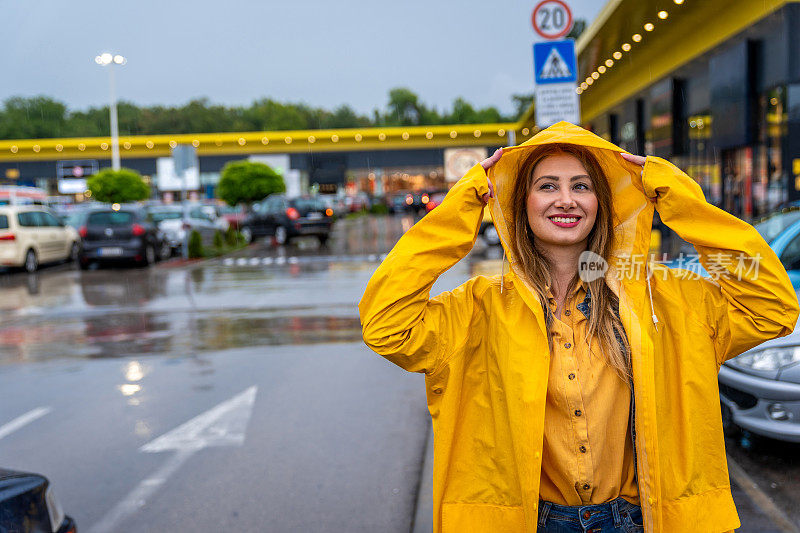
{"type": "Point", "coordinates": [484, 352]}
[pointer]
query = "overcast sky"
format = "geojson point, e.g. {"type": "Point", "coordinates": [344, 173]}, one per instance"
{"type": "Point", "coordinates": [320, 52]}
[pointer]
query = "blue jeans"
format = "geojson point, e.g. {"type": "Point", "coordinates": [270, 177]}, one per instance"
{"type": "Point", "coordinates": [616, 516]}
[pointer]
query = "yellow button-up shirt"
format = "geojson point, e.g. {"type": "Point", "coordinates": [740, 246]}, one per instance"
{"type": "Point", "coordinates": [588, 452]}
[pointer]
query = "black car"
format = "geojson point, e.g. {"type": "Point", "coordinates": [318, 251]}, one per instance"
{"type": "Point", "coordinates": [120, 233]}
{"type": "Point", "coordinates": [285, 218]}
{"type": "Point", "coordinates": [27, 503]}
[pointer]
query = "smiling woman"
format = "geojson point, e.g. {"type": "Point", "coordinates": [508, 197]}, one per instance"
{"type": "Point", "coordinates": [560, 402]}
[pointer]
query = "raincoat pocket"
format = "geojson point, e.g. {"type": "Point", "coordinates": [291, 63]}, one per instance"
{"type": "Point", "coordinates": [481, 518]}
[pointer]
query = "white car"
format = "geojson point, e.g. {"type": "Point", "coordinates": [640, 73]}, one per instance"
{"type": "Point", "coordinates": [31, 235]}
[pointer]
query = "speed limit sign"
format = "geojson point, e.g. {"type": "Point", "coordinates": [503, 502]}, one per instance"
{"type": "Point", "coordinates": [552, 19]}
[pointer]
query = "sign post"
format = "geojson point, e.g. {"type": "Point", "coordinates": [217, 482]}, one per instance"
{"type": "Point", "coordinates": [555, 66]}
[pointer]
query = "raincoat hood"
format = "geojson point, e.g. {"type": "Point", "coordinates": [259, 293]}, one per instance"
{"type": "Point", "coordinates": [633, 211]}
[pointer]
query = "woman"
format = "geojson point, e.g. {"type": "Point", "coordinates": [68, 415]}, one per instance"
{"type": "Point", "coordinates": [578, 391]}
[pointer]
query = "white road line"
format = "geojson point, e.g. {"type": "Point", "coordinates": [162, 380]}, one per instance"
{"type": "Point", "coordinates": [138, 497]}
{"type": "Point", "coordinates": [23, 420]}
{"type": "Point", "coordinates": [223, 425]}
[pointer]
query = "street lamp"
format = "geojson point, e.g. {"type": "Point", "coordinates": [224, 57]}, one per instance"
{"type": "Point", "coordinates": [107, 60]}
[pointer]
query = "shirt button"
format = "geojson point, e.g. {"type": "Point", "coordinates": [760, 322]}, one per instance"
{"type": "Point", "coordinates": [651, 500]}
{"type": "Point", "coordinates": [567, 345]}
{"type": "Point", "coordinates": [571, 376]}
{"type": "Point", "coordinates": [585, 486]}
{"type": "Point", "coordinates": [578, 412]}
{"type": "Point", "coordinates": [582, 449]}
{"type": "Point", "coordinates": [567, 312]}
{"type": "Point", "coordinates": [586, 514]}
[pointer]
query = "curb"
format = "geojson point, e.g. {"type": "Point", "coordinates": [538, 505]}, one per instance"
{"type": "Point", "coordinates": [423, 517]}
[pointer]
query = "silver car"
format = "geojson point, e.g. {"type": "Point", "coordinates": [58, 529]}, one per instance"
{"type": "Point", "coordinates": [177, 221]}
{"type": "Point", "coordinates": [760, 389]}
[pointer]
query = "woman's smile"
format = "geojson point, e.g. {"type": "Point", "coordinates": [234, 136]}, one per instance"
{"type": "Point", "coordinates": [565, 221]}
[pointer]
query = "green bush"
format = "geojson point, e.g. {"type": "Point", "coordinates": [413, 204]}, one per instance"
{"type": "Point", "coordinates": [195, 245]}
{"type": "Point", "coordinates": [219, 241]}
{"type": "Point", "coordinates": [233, 237]}
{"type": "Point", "coordinates": [379, 209]}
{"type": "Point", "coordinates": [124, 185]}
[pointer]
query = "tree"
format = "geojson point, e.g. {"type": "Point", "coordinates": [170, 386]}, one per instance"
{"type": "Point", "coordinates": [247, 182]}
{"type": "Point", "coordinates": [118, 186]}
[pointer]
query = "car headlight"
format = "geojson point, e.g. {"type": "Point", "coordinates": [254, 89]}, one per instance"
{"type": "Point", "coordinates": [53, 509]}
{"type": "Point", "coordinates": [769, 359]}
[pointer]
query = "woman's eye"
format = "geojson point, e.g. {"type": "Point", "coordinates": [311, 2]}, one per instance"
{"type": "Point", "coordinates": [582, 186]}
{"type": "Point", "coordinates": [547, 186]}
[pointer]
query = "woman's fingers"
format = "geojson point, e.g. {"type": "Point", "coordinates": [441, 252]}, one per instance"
{"type": "Point", "coordinates": [489, 194]}
{"type": "Point", "coordinates": [489, 162]}
{"type": "Point", "coordinates": [635, 159]}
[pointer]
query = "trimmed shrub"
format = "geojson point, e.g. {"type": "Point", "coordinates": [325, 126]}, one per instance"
{"type": "Point", "coordinates": [195, 245]}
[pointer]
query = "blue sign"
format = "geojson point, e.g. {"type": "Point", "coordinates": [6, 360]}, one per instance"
{"type": "Point", "coordinates": [554, 62]}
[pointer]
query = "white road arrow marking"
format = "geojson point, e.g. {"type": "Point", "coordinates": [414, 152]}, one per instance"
{"type": "Point", "coordinates": [23, 420]}
{"type": "Point", "coordinates": [223, 425]}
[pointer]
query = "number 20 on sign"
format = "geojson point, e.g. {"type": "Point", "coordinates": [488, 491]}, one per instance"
{"type": "Point", "coordinates": [552, 19]}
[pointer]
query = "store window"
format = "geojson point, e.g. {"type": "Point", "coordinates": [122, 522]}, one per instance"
{"type": "Point", "coordinates": [701, 164]}
{"type": "Point", "coordinates": [770, 179]}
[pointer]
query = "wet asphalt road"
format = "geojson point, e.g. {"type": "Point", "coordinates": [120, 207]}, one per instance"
{"type": "Point", "coordinates": [295, 425]}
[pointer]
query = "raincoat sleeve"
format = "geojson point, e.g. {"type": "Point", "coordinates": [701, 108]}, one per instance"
{"type": "Point", "coordinates": [747, 298]}
{"type": "Point", "coordinates": [398, 319]}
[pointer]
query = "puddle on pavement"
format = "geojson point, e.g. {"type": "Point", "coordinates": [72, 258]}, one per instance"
{"type": "Point", "coordinates": [179, 333]}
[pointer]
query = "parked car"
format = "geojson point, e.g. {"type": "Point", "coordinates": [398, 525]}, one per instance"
{"type": "Point", "coordinates": [177, 221]}
{"type": "Point", "coordinates": [336, 203]}
{"type": "Point", "coordinates": [120, 233]}
{"type": "Point", "coordinates": [233, 214]}
{"type": "Point", "coordinates": [286, 218]}
{"type": "Point", "coordinates": [27, 503]}
{"type": "Point", "coordinates": [357, 202]}
{"type": "Point", "coordinates": [214, 212]}
{"type": "Point", "coordinates": [31, 235]}
{"type": "Point", "coordinates": [760, 389]}
{"type": "Point", "coordinates": [405, 202]}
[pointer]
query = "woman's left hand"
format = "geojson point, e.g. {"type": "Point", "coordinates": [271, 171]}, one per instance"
{"type": "Point", "coordinates": [635, 159]}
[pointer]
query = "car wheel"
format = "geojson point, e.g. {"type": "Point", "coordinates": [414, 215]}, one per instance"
{"type": "Point", "coordinates": [165, 252]}
{"type": "Point", "coordinates": [31, 262]}
{"type": "Point", "coordinates": [247, 234]}
{"type": "Point", "coordinates": [281, 235]}
{"type": "Point", "coordinates": [491, 236]}
{"type": "Point", "coordinates": [149, 255]}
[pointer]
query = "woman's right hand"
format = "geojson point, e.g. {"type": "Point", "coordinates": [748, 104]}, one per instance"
{"type": "Point", "coordinates": [487, 164]}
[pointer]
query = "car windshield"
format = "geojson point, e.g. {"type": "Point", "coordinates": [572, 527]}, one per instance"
{"type": "Point", "coordinates": [773, 225]}
{"type": "Point", "coordinates": [73, 219]}
{"type": "Point", "coordinates": [3, 222]}
{"type": "Point", "coordinates": [230, 210]}
{"type": "Point", "coordinates": [110, 218]}
{"type": "Point", "coordinates": [160, 216]}
{"type": "Point", "coordinates": [309, 204]}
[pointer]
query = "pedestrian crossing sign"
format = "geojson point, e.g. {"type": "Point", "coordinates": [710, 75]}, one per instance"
{"type": "Point", "coordinates": [554, 62]}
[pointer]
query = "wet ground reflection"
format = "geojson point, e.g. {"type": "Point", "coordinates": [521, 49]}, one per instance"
{"type": "Point", "coordinates": [265, 295]}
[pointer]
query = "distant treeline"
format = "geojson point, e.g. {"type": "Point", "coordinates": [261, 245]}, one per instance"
{"type": "Point", "coordinates": [42, 117]}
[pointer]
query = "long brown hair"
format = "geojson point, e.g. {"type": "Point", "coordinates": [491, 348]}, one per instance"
{"type": "Point", "coordinates": [604, 321]}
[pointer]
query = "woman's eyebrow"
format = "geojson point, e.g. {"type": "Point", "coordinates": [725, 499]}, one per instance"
{"type": "Point", "coordinates": [556, 178]}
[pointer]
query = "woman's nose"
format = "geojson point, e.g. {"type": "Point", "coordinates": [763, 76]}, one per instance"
{"type": "Point", "coordinates": [565, 199]}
